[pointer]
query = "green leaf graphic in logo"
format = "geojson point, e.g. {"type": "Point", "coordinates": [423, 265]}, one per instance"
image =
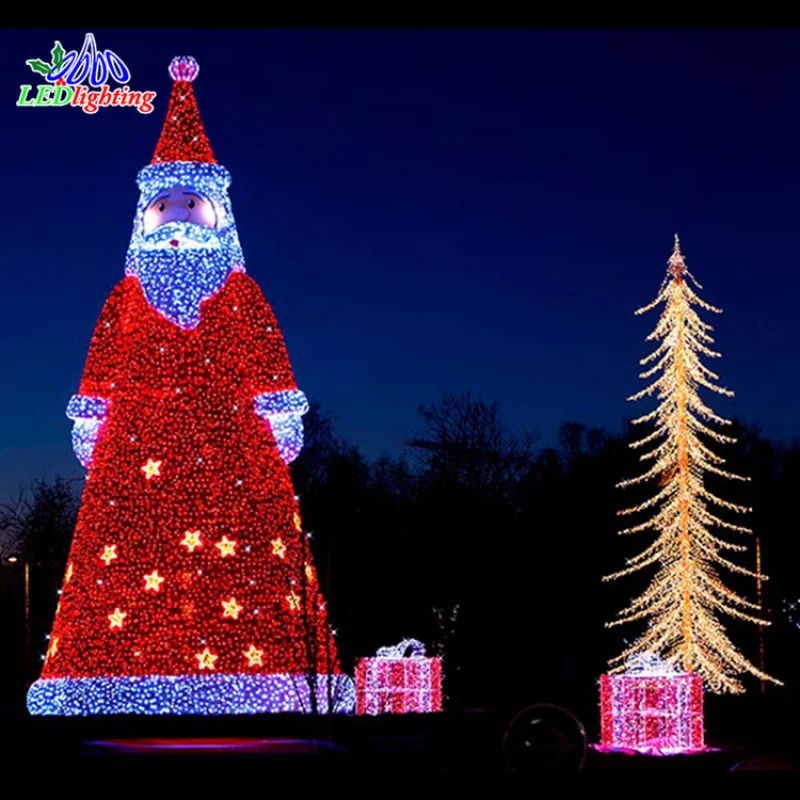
{"type": "Point", "coordinates": [57, 54]}
{"type": "Point", "coordinates": [37, 65]}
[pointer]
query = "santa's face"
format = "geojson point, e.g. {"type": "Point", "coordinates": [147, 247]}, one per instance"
{"type": "Point", "coordinates": [184, 243]}
{"type": "Point", "coordinates": [181, 251]}
{"type": "Point", "coordinates": [179, 204]}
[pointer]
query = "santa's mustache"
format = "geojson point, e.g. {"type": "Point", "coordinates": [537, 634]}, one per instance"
{"type": "Point", "coordinates": [181, 235]}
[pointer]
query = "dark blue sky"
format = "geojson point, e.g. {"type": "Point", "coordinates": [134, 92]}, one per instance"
{"type": "Point", "coordinates": [428, 211]}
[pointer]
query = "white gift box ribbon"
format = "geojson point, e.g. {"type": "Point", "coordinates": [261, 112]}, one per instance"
{"type": "Point", "coordinates": [408, 648]}
{"type": "Point", "coordinates": [650, 665]}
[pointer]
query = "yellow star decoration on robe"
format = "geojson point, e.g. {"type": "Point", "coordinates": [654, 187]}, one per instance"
{"type": "Point", "coordinates": [294, 601]}
{"type": "Point", "coordinates": [206, 659]}
{"type": "Point", "coordinates": [153, 581]}
{"type": "Point", "coordinates": [226, 547]}
{"type": "Point", "coordinates": [191, 540]}
{"type": "Point", "coordinates": [278, 548]}
{"type": "Point", "coordinates": [151, 468]}
{"type": "Point", "coordinates": [298, 523]}
{"type": "Point", "coordinates": [117, 618]}
{"type": "Point", "coordinates": [232, 608]}
{"type": "Point", "coordinates": [53, 649]}
{"type": "Point", "coordinates": [253, 655]}
{"type": "Point", "coordinates": [309, 573]}
{"type": "Point", "coordinates": [109, 554]}
{"type": "Point", "coordinates": [70, 572]}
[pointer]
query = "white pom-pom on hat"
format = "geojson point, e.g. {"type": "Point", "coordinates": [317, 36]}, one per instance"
{"type": "Point", "coordinates": [183, 68]}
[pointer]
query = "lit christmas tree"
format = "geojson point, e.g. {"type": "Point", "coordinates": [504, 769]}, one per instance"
{"type": "Point", "coordinates": [686, 595]}
{"type": "Point", "coordinates": [190, 588]}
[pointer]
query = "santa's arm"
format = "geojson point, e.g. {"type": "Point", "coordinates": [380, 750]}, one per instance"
{"type": "Point", "coordinates": [89, 408]}
{"type": "Point", "coordinates": [270, 379]}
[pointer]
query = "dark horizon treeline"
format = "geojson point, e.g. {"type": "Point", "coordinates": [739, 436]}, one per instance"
{"type": "Point", "coordinates": [477, 541]}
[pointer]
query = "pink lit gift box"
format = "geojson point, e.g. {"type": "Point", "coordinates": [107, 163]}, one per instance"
{"type": "Point", "coordinates": [651, 708]}
{"type": "Point", "coordinates": [399, 680]}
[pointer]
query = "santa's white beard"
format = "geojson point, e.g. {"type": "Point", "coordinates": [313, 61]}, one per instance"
{"type": "Point", "coordinates": [177, 278]}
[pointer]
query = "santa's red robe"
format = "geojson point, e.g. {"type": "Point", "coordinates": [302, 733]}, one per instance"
{"type": "Point", "coordinates": [182, 458]}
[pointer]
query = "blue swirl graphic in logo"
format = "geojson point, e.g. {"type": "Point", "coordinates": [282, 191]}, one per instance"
{"type": "Point", "coordinates": [91, 66]}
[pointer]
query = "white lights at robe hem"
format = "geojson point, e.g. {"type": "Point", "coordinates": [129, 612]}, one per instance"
{"type": "Point", "coordinates": [191, 694]}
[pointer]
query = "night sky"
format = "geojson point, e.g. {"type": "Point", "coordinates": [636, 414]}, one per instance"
{"type": "Point", "coordinates": [428, 211]}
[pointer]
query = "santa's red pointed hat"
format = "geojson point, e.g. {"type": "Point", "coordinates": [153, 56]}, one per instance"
{"type": "Point", "coordinates": [183, 155]}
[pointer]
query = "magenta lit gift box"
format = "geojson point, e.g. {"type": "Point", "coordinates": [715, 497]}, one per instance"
{"type": "Point", "coordinates": [652, 709]}
{"type": "Point", "coordinates": [399, 680]}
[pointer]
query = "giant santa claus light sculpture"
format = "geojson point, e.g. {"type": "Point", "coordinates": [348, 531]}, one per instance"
{"type": "Point", "coordinates": [190, 587]}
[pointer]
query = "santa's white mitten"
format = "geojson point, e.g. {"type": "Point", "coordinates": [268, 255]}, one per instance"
{"type": "Point", "coordinates": [88, 414]}
{"type": "Point", "coordinates": [284, 411]}
{"type": "Point", "coordinates": [288, 435]}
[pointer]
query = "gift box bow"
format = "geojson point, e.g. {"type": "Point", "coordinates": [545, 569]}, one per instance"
{"type": "Point", "coordinates": [650, 665]}
{"type": "Point", "coordinates": [408, 648]}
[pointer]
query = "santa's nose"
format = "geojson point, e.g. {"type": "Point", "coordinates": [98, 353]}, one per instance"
{"type": "Point", "coordinates": [176, 214]}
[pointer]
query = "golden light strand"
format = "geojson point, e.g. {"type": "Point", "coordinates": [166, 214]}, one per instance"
{"type": "Point", "coordinates": [686, 595]}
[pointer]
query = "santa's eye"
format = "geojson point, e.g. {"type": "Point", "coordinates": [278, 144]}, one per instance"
{"type": "Point", "coordinates": [160, 206]}
{"type": "Point", "coordinates": [191, 204]}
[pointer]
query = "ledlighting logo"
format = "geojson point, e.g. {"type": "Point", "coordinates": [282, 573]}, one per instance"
{"type": "Point", "coordinates": [81, 79]}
